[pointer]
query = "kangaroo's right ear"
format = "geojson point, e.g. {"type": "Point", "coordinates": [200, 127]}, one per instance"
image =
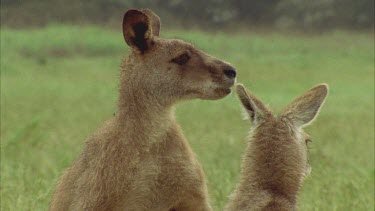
{"type": "Point", "coordinates": [305, 108]}
{"type": "Point", "coordinates": [138, 29]}
{"type": "Point", "coordinates": [254, 107]}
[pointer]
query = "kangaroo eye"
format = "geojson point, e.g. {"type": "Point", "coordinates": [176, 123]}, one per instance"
{"type": "Point", "coordinates": [182, 59]}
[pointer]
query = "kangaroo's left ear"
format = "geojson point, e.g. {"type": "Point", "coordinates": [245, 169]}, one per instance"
{"type": "Point", "coordinates": [254, 107]}
{"type": "Point", "coordinates": [155, 21]}
{"type": "Point", "coordinates": [303, 110]}
{"type": "Point", "coordinates": [137, 28]}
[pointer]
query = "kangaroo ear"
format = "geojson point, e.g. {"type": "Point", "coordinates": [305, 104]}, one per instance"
{"type": "Point", "coordinates": [254, 107]}
{"type": "Point", "coordinates": [305, 108]}
{"type": "Point", "coordinates": [137, 30]}
{"type": "Point", "coordinates": [155, 21]}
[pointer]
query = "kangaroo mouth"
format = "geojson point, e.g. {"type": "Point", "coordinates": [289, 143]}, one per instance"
{"type": "Point", "coordinates": [225, 87]}
{"type": "Point", "coordinates": [223, 91]}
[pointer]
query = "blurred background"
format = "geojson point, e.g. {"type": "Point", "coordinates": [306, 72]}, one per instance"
{"type": "Point", "coordinates": [285, 14]}
{"type": "Point", "coordinates": [60, 62]}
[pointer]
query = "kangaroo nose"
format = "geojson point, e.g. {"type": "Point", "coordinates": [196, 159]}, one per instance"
{"type": "Point", "coordinates": [230, 73]}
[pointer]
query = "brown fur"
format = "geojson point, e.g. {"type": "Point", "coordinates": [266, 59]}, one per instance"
{"type": "Point", "coordinates": [140, 159]}
{"type": "Point", "coordinates": [275, 162]}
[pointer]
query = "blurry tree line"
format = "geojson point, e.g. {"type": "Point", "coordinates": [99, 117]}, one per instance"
{"type": "Point", "coordinates": [305, 14]}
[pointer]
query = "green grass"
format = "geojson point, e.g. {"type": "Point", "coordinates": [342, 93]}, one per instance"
{"type": "Point", "coordinates": [58, 84]}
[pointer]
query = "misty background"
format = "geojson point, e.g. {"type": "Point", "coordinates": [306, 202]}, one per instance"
{"type": "Point", "coordinates": [277, 14]}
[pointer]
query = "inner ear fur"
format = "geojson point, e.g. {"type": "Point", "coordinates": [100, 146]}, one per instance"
{"type": "Point", "coordinates": [303, 110]}
{"type": "Point", "coordinates": [137, 30]}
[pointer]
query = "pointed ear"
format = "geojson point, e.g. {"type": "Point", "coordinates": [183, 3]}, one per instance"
{"type": "Point", "coordinates": [254, 107]}
{"type": "Point", "coordinates": [137, 30]}
{"type": "Point", "coordinates": [155, 21]}
{"type": "Point", "coordinates": [305, 108]}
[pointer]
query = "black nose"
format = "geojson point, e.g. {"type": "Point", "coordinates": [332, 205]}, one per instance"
{"type": "Point", "coordinates": [231, 73]}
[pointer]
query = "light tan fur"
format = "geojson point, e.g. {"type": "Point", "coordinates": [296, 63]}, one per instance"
{"type": "Point", "coordinates": [275, 161]}
{"type": "Point", "coordinates": [140, 159]}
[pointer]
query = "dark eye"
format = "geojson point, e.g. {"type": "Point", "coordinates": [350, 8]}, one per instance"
{"type": "Point", "coordinates": [182, 59]}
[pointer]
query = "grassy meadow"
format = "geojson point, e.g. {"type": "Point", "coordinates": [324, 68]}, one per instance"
{"type": "Point", "coordinates": [59, 83]}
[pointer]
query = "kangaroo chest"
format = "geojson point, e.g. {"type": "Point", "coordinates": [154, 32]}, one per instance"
{"type": "Point", "coordinates": [165, 174]}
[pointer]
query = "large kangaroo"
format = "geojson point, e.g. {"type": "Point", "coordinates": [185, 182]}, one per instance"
{"type": "Point", "coordinates": [275, 162]}
{"type": "Point", "coordinates": [140, 159]}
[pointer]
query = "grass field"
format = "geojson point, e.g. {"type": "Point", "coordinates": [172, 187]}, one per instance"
{"type": "Point", "coordinates": [58, 84]}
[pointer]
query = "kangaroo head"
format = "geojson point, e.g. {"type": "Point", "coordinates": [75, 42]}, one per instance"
{"type": "Point", "coordinates": [282, 138]}
{"type": "Point", "coordinates": [170, 69]}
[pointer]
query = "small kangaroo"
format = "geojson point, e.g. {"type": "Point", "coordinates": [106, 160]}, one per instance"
{"type": "Point", "coordinates": [275, 161]}
{"type": "Point", "coordinates": [140, 159]}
